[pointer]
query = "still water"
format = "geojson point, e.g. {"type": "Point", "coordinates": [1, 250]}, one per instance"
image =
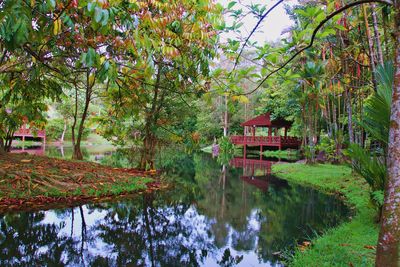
{"type": "Point", "coordinates": [236, 214]}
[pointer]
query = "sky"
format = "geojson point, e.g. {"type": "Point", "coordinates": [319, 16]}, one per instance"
{"type": "Point", "coordinates": [271, 28]}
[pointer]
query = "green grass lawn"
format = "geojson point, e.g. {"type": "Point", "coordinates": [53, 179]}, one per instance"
{"type": "Point", "coordinates": [351, 243]}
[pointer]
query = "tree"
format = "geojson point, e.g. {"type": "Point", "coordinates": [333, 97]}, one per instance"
{"type": "Point", "coordinates": [25, 81]}
{"type": "Point", "coordinates": [389, 236]}
{"type": "Point", "coordinates": [167, 64]}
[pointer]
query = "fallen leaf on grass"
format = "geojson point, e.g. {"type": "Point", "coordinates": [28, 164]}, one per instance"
{"type": "Point", "coordinates": [369, 247]}
{"type": "Point", "coordinates": [304, 246]}
{"type": "Point", "coordinates": [344, 245]}
{"type": "Point", "coordinates": [26, 160]}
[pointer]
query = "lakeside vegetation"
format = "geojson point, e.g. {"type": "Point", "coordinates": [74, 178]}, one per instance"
{"type": "Point", "coordinates": [352, 243]}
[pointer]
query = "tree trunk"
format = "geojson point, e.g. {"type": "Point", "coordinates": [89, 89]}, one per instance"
{"type": "Point", "coordinates": [6, 143]}
{"type": "Point", "coordinates": [147, 154]}
{"type": "Point", "coordinates": [64, 131]}
{"type": "Point", "coordinates": [2, 150]}
{"type": "Point", "coordinates": [389, 236]}
{"type": "Point", "coordinates": [385, 18]}
{"type": "Point", "coordinates": [349, 115]}
{"type": "Point", "coordinates": [149, 141]}
{"type": "Point", "coordinates": [75, 118]}
{"type": "Point", "coordinates": [226, 116]}
{"type": "Point", "coordinates": [77, 155]}
{"type": "Point", "coordinates": [370, 47]}
{"type": "Point", "coordinates": [376, 34]}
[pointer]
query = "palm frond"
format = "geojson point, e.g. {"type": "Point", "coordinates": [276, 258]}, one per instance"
{"type": "Point", "coordinates": [376, 118]}
{"type": "Point", "coordinates": [371, 168]}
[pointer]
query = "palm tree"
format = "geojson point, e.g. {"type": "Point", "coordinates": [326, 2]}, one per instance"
{"type": "Point", "coordinates": [371, 164]}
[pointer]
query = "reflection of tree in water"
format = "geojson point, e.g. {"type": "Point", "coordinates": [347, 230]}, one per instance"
{"type": "Point", "coordinates": [261, 222]}
{"type": "Point", "coordinates": [27, 242]}
{"type": "Point", "coordinates": [167, 236]}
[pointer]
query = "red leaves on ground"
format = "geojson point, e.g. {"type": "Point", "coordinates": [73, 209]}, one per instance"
{"type": "Point", "coordinates": [29, 177]}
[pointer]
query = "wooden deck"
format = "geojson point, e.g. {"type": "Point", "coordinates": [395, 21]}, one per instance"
{"type": "Point", "coordinates": [23, 133]}
{"type": "Point", "coordinates": [266, 141]}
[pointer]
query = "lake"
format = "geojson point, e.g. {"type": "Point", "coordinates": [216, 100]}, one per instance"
{"type": "Point", "coordinates": [232, 214]}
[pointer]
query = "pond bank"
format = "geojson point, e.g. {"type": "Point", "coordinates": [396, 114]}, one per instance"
{"type": "Point", "coordinates": [35, 182]}
{"type": "Point", "coordinates": [350, 244]}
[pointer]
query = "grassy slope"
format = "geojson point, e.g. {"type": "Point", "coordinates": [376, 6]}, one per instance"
{"type": "Point", "coordinates": [348, 244]}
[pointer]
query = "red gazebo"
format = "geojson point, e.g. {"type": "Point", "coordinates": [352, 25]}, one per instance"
{"type": "Point", "coordinates": [273, 139]}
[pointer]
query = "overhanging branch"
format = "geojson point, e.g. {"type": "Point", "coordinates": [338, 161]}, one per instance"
{"type": "Point", "coordinates": [251, 33]}
{"type": "Point", "coordinates": [322, 23]}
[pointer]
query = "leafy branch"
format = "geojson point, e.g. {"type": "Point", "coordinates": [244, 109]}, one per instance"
{"type": "Point", "coordinates": [319, 26]}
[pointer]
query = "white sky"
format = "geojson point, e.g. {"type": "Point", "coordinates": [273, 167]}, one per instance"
{"type": "Point", "coordinates": [272, 26]}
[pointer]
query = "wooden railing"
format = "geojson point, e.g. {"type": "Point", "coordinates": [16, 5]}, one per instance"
{"type": "Point", "coordinates": [265, 140]}
{"type": "Point", "coordinates": [29, 133]}
{"type": "Point", "coordinates": [290, 140]}
{"type": "Point", "coordinates": [240, 139]}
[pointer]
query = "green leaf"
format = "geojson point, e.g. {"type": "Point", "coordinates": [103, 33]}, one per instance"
{"type": "Point", "coordinates": [90, 57]}
{"type": "Point", "coordinates": [98, 14]}
{"type": "Point", "coordinates": [51, 3]}
{"type": "Point", "coordinates": [231, 4]}
{"type": "Point", "coordinates": [340, 27]}
{"type": "Point", "coordinates": [105, 17]}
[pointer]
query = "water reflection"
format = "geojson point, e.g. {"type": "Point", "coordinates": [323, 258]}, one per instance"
{"type": "Point", "coordinates": [36, 150]}
{"type": "Point", "coordinates": [211, 218]}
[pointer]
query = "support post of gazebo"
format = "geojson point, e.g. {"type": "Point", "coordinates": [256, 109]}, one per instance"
{"type": "Point", "coordinates": [269, 134]}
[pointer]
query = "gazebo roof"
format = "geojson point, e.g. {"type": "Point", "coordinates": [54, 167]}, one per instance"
{"type": "Point", "coordinates": [264, 120]}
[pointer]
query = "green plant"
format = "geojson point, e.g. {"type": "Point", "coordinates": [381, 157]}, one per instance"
{"type": "Point", "coordinates": [225, 145]}
{"type": "Point", "coordinates": [376, 122]}
{"type": "Point", "coordinates": [328, 146]}
{"type": "Point", "coordinates": [369, 166]}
